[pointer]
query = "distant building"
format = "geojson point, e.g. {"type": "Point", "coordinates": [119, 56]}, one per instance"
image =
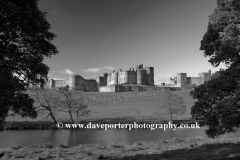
{"type": "Point", "coordinates": [75, 82]}
{"type": "Point", "coordinates": [140, 76]}
{"type": "Point", "coordinates": [182, 80]}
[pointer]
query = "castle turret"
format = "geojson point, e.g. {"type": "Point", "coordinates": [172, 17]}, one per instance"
{"type": "Point", "coordinates": [181, 79]}
{"type": "Point", "coordinates": [112, 78]}
{"type": "Point", "coordinates": [51, 83]}
{"type": "Point", "coordinates": [210, 74]}
{"type": "Point", "coordinates": [139, 67]}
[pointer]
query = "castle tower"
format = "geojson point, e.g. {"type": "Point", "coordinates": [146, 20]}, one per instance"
{"type": "Point", "coordinates": [112, 78]}
{"type": "Point", "coordinates": [181, 79]}
{"type": "Point", "coordinates": [51, 83]}
{"type": "Point", "coordinates": [139, 67]}
{"type": "Point", "coordinates": [141, 77]}
{"type": "Point", "coordinates": [102, 80]}
{"type": "Point", "coordinates": [150, 76]}
{"type": "Point", "coordinates": [115, 77]}
{"type": "Point", "coordinates": [71, 81]}
{"type": "Point", "coordinates": [210, 74]}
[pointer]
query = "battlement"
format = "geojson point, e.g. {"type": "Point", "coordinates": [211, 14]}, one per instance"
{"type": "Point", "coordinates": [141, 76]}
{"type": "Point", "coordinates": [182, 80]}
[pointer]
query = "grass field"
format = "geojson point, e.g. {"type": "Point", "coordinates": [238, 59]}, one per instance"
{"type": "Point", "coordinates": [173, 149]}
{"type": "Point", "coordinates": [122, 106]}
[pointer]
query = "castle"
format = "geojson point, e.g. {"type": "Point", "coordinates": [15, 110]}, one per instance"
{"type": "Point", "coordinates": [182, 80]}
{"type": "Point", "coordinates": [114, 82]}
{"type": "Point", "coordinates": [75, 82]}
{"type": "Point", "coordinates": [141, 79]}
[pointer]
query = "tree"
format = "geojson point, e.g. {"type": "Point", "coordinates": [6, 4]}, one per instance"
{"type": "Point", "coordinates": [75, 107]}
{"type": "Point", "coordinates": [172, 104]}
{"type": "Point", "coordinates": [45, 103]}
{"type": "Point", "coordinates": [218, 100]}
{"type": "Point", "coordinates": [159, 112]}
{"type": "Point", "coordinates": [24, 42]}
{"type": "Point", "coordinates": [138, 112]}
{"type": "Point", "coordinates": [190, 86]}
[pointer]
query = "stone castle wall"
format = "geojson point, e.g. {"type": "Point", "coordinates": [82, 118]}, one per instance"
{"type": "Point", "coordinates": [78, 82]}
{"type": "Point", "coordinates": [194, 80]}
{"type": "Point", "coordinates": [102, 81]}
{"type": "Point", "coordinates": [75, 82]}
{"type": "Point", "coordinates": [205, 76]}
{"type": "Point", "coordinates": [182, 80]}
{"type": "Point", "coordinates": [142, 76]}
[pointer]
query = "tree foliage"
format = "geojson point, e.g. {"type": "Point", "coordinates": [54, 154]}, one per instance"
{"type": "Point", "coordinates": [138, 111]}
{"type": "Point", "coordinates": [24, 42]}
{"type": "Point", "coordinates": [190, 86]}
{"type": "Point", "coordinates": [218, 99]}
{"type": "Point", "coordinates": [45, 103]}
{"type": "Point", "coordinates": [172, 104]}
{"type": "Point", "coordinates": [73, 105]}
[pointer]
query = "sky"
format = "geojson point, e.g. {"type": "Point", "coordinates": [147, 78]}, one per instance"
{"type": "Point", "coordinates": [98, 36]}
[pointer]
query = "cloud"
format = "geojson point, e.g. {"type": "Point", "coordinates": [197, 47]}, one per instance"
{"type": "Point", "coordinates": [66, 71]}
{"type": "Point", "coordinates": [109, 68]}
{"type": "Point", "coordinates": [94, 70]}
{"type": "Point", "coordinates": [58, 78]}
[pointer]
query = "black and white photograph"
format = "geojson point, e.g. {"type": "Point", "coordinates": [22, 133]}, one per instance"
{"type": "Point", "coordinates": [120, 79]}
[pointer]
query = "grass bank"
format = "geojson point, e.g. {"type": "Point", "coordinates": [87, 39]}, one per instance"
{"type": "Point", "coordinates": [174, 149]}
{"type": "Point", "coordinates": [112, 108]}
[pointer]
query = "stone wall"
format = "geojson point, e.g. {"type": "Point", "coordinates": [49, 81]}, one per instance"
{"type": "Point", "coordinates": [206, 76]}
{"type": "Point", "coordinates": [60, 83]}
{"type": "Point", "coordinates": [57, 83]}
{"type": "Point", "coordinates": [102, 80]}
{"type": "Point", "coordinates": [112, 78]}
{"type": "Point", "coordinates": [194, 80]}
{"type": "Point", "coordinates": [181, 79]}
{"type": "Point", "coordinates": [173, 81]}
{"type": "Point", "coordinates": [123, 77]}
{"type": "Point", "coordinates": [150, 76]}
{"type": "Point", "coordinates": [132, 77]}
{"type": "Point", "coordinates": [107, 88]}
{"type": "Point", "coordinates": [75, 82]}
{"type": "Point", "coordinates": [142, 76]}
{"type": "Point", "coordinates": [125, 88]}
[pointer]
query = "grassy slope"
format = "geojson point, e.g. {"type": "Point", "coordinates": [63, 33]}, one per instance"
{"type": "Point", "coordinates": [174, 149]}
{"type": "Point", "coordinates": [121, 105]}
{"type": "Point", "coordinates": [179, 149]}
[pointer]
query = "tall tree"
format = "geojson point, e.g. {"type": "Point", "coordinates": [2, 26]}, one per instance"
{"type": "Point", "coordinates": [24, 42]}
{"type": "Point", "coordinates": [45, 103]}
{"type": "Point", "coordinates": [218, 100]}
{"type": "Point", "coordinates": [75, 107]}
{"type": "Point", "coordinates": [172, 104]}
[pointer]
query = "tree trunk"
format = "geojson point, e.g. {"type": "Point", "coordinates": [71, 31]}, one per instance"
{"type": "Point", "coordinates": [52, 116]}
{"type": "Point", "coordinates": [70, 113]}
{"type": "Point", "coordinates": [171, 117]}
{"type": "Point", "coordinates": [170, 112]}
